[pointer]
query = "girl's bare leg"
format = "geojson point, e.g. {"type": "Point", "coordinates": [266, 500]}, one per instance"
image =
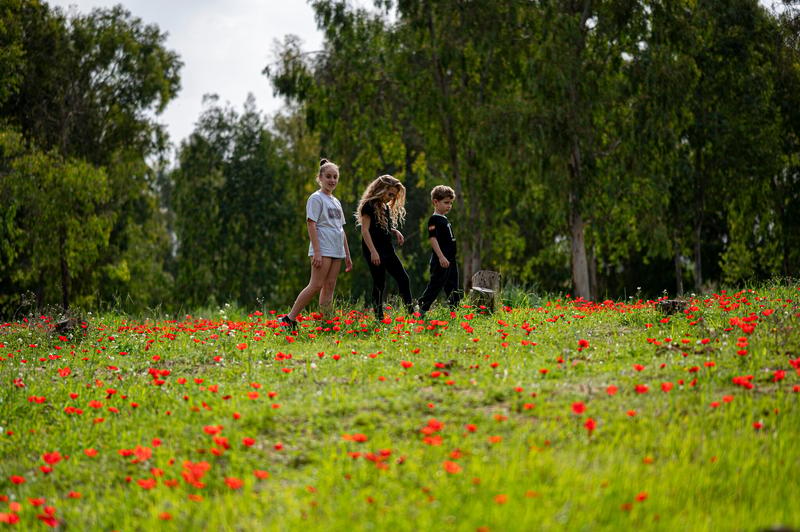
{"type": "Point", "coordinates": [316, 284]}
{"type": "Point", "coordinates": [329, 285]}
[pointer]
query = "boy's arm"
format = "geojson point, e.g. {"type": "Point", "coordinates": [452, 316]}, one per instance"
{"type": "Point", "coordinates": [443, 262]}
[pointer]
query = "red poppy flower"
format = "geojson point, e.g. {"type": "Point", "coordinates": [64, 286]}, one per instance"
{"type": "Point", "coordinates": [10, 518]}
{"type": "Point", "coordinates": [147, 483]}
{"type": "Point", "coordinates": [52, 458]}
{"type": "Point", "coordinates": [451, 467]}
{"type": "Point", "coordinates": [234, 483]}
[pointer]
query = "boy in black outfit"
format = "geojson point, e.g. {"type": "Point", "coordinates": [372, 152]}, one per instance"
{"type": "Point", "coordinates": [444, 269]}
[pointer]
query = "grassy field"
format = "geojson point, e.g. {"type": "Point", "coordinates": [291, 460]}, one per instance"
{"type": "Point", "coordinates": [565, 416]}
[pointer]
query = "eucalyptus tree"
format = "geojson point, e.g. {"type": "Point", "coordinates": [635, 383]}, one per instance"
{"type": "Point", "coordinates": [92, 82]}
{"type": "Point", "coordinates": [45, 251]}
{"type": "Point", "coordinates": [418, 96]}
{"type": "Point", "coordinates": [233, 180]}
{"type": "Point", "coordinates": [663, 75]}
{"type": "Point", "coordinates": [12, 53]}
{"type": "Point", "coordinates": [88, 91]}
{"type": "Point", "coordinates": [786, 183]}
{"type": "Point", "coordinates": [735, 140]}
{"type": "Point", "coordinates": [574, 75]}
{"type": "Point", "coordinates": [354, 95]}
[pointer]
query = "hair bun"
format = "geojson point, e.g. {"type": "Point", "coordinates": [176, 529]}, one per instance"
{"type": "Point", "coordinates": [323, 162]}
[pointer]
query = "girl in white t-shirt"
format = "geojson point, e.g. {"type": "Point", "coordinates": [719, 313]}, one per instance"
{"type": "Point", "coordinates": [325, 221]}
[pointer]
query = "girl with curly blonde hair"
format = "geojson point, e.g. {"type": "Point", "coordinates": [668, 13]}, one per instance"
{"type": "Point", "coordinates": [379, 213]}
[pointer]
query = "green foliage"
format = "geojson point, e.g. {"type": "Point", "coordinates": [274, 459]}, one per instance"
{"type": "Point", "coordinates": [231, 213]}
{"type": "Point", "coordinates": [83, 92]}
{"type": "Point", "coordinates": [595, 147]}
{"type": "Point", "coordinates": [54, 219]}
{"type": "Point", "coordinates": [643, 126]}
{"type": "Point", "coordinates": [90, 81]}
{"type": "Point", "coordinates": [11, 50]}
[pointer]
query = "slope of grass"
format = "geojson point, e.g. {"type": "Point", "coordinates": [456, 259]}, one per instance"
{"type": "Point", "coordinates": [569, 415]}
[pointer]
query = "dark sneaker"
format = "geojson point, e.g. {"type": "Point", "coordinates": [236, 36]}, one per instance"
{"type": "Point", "coordinates": [286, 321]}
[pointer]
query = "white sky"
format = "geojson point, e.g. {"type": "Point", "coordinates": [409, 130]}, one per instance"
{"type": "Point", "coordinates": [224, 46]}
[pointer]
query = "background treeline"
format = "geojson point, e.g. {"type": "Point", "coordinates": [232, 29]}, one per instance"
{"type": "Point", "coordinates": [596, 146]}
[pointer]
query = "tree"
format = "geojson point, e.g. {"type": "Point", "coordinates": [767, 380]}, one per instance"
{"type": "Point", "coordinates": [734, 137]}
{"type": "Point", "coordinates": [785, 184]}
{"type": "Point", "coordinates": [87, 90]}
{"type": "Point", "coordinates": [56, 230]}
{"type": "Point", "coordinates": [231, 176]}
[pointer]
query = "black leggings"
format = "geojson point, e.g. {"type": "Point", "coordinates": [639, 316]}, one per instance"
{"type": "Point", "coordinates": [391, 264]}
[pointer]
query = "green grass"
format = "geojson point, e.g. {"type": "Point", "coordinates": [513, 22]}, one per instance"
{"type": "Point", "coordinates": [492, 437]}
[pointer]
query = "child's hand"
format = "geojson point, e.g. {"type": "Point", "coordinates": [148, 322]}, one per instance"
{"type": "Point", "coordinates": [399, 236]}
{"type": "Point", "coordinates": [444, 263]}
{"type": "Point", "coordinates": [348, 264]}
{"type": "Point", "coordinates": [375, 258]}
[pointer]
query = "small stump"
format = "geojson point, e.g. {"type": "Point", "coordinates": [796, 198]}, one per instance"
{"type": "Point", "coordinates": [672, 306]}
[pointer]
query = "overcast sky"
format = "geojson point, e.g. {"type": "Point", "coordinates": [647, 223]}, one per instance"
{"type": "Point", "coordinates": [224, 46]}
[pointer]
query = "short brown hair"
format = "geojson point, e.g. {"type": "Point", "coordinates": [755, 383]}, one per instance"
{"type": "Point", "coordinates": [441, 192]}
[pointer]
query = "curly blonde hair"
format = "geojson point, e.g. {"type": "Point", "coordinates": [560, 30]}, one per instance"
{"type": "Point", "coordinates": [374, 194]}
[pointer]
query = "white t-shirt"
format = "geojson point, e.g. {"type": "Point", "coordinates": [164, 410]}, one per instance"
{"type": "Point", "coordinates": [327, 212]}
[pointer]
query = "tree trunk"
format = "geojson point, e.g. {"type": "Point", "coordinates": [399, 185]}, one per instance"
{"type": "Point", "coordinates": [577, 106]}
{"type": "Point", "coordinates": [676, 256]}
{"type": "Point", "coordinates": [698, 223]}
{"type": "Point", "coordinates": [580, 268]}
{"type": "Point", "coordinates": [592, 265]}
